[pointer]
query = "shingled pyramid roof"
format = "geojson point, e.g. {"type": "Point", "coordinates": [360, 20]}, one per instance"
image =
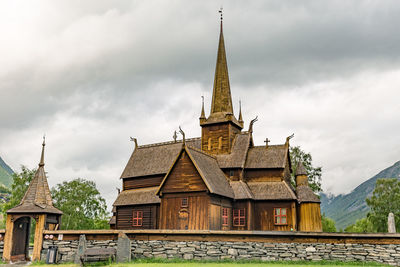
{"type": "Point", "coordinates": [37, 198]}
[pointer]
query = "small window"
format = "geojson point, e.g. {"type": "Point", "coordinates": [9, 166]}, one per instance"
{"type": "Point", "coordinates": [231, 173]}
{"type": "Point", "coordinates": [137, 218]}
{"type": "Point", "coordinates": [209, 143]}
{"type": "Point", "coordinates": [184, 202]}
{"type": "Point", "coordinates": [220, 143]}
{"type": "Point", "coordinates": [225, 221]}
{"type": "Point", "coordinates": [239, 217]}
{"type": "Point", "coordinates": [280, 216]}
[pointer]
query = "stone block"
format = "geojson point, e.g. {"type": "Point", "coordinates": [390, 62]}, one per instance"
{"type": "Point", "coordinates": [188, 256]}
{"type": "Point", "coordinates": [123, 248]}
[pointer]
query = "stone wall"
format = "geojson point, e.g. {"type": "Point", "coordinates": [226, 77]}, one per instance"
{"type": "Point", "coordinates": [67, 249]}
{"type": "Point", "coordinates": [202, 250]}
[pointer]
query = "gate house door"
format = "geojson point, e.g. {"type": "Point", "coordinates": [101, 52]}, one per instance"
{"type": "Point", "coordinates": [20, 242]}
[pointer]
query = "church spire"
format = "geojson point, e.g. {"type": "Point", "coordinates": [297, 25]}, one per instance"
{"type": "Point", "coordinates": [240, 112]}
{"type": "Point", "coordinates": [203, 115]}
{"type": "Point", "coordinates": [221, 99]}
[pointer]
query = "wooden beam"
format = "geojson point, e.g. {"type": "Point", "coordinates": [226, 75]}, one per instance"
{"type": "Point", "coordinates": [38, 242]}
{"type": "Point", "coordinates": [8, 238]}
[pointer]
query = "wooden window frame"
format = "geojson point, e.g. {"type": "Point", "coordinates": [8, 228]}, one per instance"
{"type": "Point", "coordinates": [239, 217]}
{"type": "Point", "coordinates": [280, 216]}
{"type": "Point", "coordinates": [184, 202]}
{"type": "Point", "coordinates": [209, 143]}
{"type": "Point", "coordinates": [220, 143]}
{"type": "Point", "coordinates": [225, 216]}
{"type": "Point", "coordinates": [137, 218]}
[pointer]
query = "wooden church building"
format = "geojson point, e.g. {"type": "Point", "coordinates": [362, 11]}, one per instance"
{"type": "Point", "coordinates": [219, 181]}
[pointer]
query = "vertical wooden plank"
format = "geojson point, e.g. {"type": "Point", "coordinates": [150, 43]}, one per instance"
{"type": "Point", "coordinates": [38, 242]}
{"type": "Point", "coordinates": [8, 238]}
{"type": "Point", "coordinates": [294, 216]}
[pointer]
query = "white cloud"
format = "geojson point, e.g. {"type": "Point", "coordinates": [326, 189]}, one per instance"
{"type": "Point", "coordinates": [90, 74]}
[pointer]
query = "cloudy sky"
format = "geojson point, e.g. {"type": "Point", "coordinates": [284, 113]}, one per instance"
{"type": "Point", "coordinates": [90, 74]}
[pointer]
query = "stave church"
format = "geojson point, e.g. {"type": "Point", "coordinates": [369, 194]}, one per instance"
{"type": "Point", "coordinates": [219, 181]}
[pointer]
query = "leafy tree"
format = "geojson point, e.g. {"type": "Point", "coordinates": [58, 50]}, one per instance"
{"type": "Point", "coordinates": [328, 225]}
{"type": "Point", "coordinates": [314, 173]}
{"type": "Point", "coordinates": [18, 188]}
{"type": "Point", "coordinates": [384, 199]}
{"type": "Point", "coordinates": [363, 225]}
{"type": "Point", "coordinates": [82, 205]}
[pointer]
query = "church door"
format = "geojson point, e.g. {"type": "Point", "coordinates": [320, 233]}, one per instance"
{"type": "Point", "coordinates": [20, 239]}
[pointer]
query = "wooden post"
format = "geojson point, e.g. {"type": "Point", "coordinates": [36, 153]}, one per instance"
{"type": "Point", "coordinates": [294, 216]}
{"type": "Point", "coordinates": [8, 238]}
{"type": "Point", "coordinates": [38, 242]}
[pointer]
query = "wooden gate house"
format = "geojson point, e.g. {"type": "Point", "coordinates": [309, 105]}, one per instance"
{"type": "Point", "coordinates": [36, 205]}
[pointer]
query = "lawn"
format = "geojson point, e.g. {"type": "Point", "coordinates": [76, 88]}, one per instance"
{"type": "Point", "coordinates": [224, 264]}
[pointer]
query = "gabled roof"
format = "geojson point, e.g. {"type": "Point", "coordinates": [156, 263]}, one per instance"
{"type": "Point", "coordinates": [209, 171]}
{"type": "Point", "coordinates": [305, 194]}
{"type": "Point", "coordinates": [271, 191]}
{"type": "Point", "coordinates": [137, 196]}
{"type": "Point", "coordinates": [237, 157]}
{"type": "Point", "coordinates": [155, 158]}
{"type": "Point", "coordinates": [262, 157]}
{"type": "Point", "coordinates": [37, 198]}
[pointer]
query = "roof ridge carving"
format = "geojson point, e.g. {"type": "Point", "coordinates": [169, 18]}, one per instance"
{"type": "Point", "coordinates": [169, 142]}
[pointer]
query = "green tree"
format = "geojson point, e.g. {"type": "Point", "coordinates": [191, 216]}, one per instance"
{"type": "Point", "coordinates": [384, 199]}
{"type": "Point", "coordinates": [328, 225]}
{"type": "Point", "coordinates": [82, 205]}
{"type": "Point", "coordinates": [18, 188]}
{"type": "Point", "coordinates": [314, 173]}
{"type": "Point", "coordinates": [363, 225]}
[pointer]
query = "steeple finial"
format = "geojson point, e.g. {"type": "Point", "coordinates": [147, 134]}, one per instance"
{"type": "Point", "coordinates": [240, 112]}
{"type": "Point", "coordinates": [41, 164]}
{"type": "Point", "coordinates": [220, 11]}
{"type": "Point", "coordinates": [203, 115]}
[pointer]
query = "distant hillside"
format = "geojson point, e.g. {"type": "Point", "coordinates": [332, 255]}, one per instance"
{"type": "Point", "coordinates": [5, 173]}
{"type": "Point", "coordinates": [346, 209]}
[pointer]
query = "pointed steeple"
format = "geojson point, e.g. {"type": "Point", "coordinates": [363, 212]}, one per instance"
{"type": "Point", "coordinates": [37, 197]}
{"type": "Point", "coordinates": [203, 115]}
{"type": "Point", "coordinates": [221, 105]}
{"type": "Point", "coordinates": [240, 113]}
{"type": "Point", "coordinates": [221, 99]}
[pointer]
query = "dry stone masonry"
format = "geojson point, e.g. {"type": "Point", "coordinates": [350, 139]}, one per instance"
{"type": "Point", "coordinates": [201, 250]}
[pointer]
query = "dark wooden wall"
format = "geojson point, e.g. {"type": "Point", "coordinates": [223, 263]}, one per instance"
{"type": "Point", "coordinates": [150, 216]}
{"type": "Point", "coordinates": [183, 177]}
{"type": "Point", "coordinates": [193, 217]}
{"type": "Point", "coordinates": [140, 182]}
{"type": "Point", "coordinates": [264, 215]}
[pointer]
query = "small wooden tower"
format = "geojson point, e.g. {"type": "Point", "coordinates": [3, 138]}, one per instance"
{"type": "Point", "coordinates": [38, 205]}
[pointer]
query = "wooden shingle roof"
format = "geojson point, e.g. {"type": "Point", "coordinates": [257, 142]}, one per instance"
{"type": "Point", "coordinates": [241, 190]}
{"type": "Point", "coordinates": [155, 159]}
{"type": "Point", "coordinates": [37, 198]}
{"type": "Point", "coordinates": [237, 157]}
{"type": "Point", "coordinates": [137, 196]}
{"type": "Point", "coordinates": [260, 157]}
{"type": "Point", "coordinates": [271, 191]}
{"type": "Point", "coordinates": [305, 194]}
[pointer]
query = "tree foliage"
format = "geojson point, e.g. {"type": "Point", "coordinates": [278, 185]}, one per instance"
{"type": "Point", "coordinates": [384, 199]}
{"type": "Point", "coordinates": [82, 205]}
{"type": "Point", "coordinates": [18, 188]}
{"type": "Point", "coordinates": [314, 173]}
{"type": "Point", "coordinates": [363, 225]}
{"type": "Point", "coordinates": [328, 225]}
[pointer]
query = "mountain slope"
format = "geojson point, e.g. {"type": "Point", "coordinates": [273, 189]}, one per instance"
{"type": "Point", "coordinates": [5, 173]}
{"type": "Point", "coordinates": [346, 209]}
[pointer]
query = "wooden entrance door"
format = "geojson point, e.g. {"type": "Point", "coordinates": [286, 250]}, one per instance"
{"type": "Point", "coordinates": [20, 239]}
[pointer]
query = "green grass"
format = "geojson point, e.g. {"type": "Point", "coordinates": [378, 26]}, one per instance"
{"type": "Point", "coordinates": [154, 262]}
